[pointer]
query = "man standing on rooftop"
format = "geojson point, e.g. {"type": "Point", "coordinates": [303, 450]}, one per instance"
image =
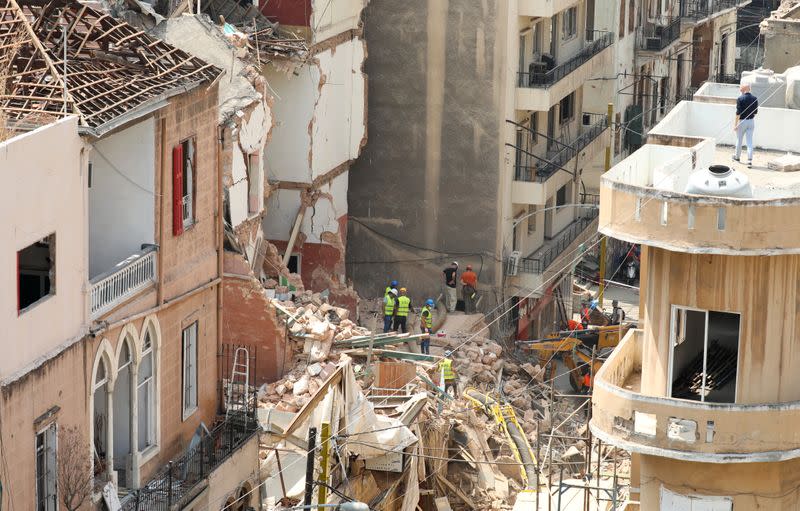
{"type": "Point", "coordinates": [744, 124]}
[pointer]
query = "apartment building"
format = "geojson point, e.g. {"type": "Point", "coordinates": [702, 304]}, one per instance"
{"type": "Point", "coordinates": [703, 393]}
{"type": "Point", "coordinates": [478, 137]}
{"type": "Point", "coordinates": [119, 274]}
{"type": "Point", "coordinates": [781, 32]}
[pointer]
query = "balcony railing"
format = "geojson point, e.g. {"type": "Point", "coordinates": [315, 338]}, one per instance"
{"type": "Point", "coordinates": [527, 167]}
{"type": "Point", "coordinates": [544, 74]}
{"type": "Point", "coordinates": [126, 279]}
{"type": "Point", "coordinates": [542, 259]}
{"type": "Point", "coordinates": [698, 9]}
{"type": "Point", "coordinates": [656, 37]}
{"type": "Point", "coordinates": [171, 486]}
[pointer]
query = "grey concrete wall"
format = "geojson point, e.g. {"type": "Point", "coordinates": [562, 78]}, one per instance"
{"type": "Point", "coordinates": [781, 44]}
{"type": "Point", "coordinates": [429, 175]}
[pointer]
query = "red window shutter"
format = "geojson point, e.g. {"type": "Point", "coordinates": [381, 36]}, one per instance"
{"type": "Point", "coordinates": [177, 190]}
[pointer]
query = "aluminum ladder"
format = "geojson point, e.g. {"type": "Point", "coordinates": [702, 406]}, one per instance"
{"type": "Point", "coordinates": [240, 377]}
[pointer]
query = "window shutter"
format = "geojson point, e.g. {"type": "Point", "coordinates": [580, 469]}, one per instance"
{"type": "Point", "coordinates": [177, 190]}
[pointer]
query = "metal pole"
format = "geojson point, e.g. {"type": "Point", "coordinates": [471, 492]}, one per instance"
{"type": "Point", "coordinates": [614, 494]}
{"type": "Point", "coordinates": [169, 482]}
{"type": "Point", "coordinates": [369, 353]}
{"type": "Point", "coordinates": [550, 447]}
{"type": "Point", "coordinates": [603, 239]}
{"type": "Point", "coordinates": [560, 482]}
{"type": "Point", "coordinates": [312, 444]}
{"type": "Point", "coordinates": [322, 497]}
{"type": "Point", "coordinates": [280, 472]}
{"type": "Point", "coordinates": [599, 457]}
{"type": "Point", "coordinates": [538, 462]}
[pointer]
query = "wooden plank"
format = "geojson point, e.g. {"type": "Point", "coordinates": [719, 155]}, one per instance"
{"type": "Point", "coordinates": [402, 355]}
{"type": "Point", "coordinates": [316, 399]}
{"type": "Point", "coordinates": [457, 491]}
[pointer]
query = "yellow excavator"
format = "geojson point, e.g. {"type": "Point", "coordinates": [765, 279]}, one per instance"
{"type": "Point", "coordinates": [575, 348]}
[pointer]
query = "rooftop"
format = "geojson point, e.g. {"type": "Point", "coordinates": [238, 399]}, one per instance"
{"type": "Point", "coordinates": [113, 71]}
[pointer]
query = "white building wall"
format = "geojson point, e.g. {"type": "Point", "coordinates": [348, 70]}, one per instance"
{"type": "Point", "coordinates": [46, 193]}
{"type": "Point", "coordinates": [332, 17]}
{"type": "Point", "coordinates": [122, 195]}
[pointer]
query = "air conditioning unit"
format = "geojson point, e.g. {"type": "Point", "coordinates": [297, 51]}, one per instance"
{"type": "Point", "coordinates": [513, 263]}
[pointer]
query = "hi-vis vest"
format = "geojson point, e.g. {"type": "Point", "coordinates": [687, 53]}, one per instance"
{"type": "Point", "coordinates": [403, 303]}
{"type": "Point", "coordinates": [388, 308]}
{"type": "Point", "coordinates": [427, 317]}
{"type": "Point", "coordinates": [387, 292]}
{"type": "Point", "coordinates": [446, 366]}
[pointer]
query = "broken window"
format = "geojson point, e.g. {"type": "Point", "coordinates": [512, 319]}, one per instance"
{"type": "Point", "coordinates": [189, 370]}
{"type": "Point", "coordinates": [254, 193]}
{"type": "Point", "coordinates": [36, 267]}
{"type": "Point", "coordinates": [566, 108]}
{"type": "Point", "coordinates": [705, 355]}
{"type": "Point", "coordinates": [561, 196]}
{"type": "Point", "coordinates": [46, 472]}
{"type": "Point", "coordinates": [146, 395]}
{"type": "Point", "coordinates": [183, 186]}
{"type": "Point", "coordinates": [569, 23]}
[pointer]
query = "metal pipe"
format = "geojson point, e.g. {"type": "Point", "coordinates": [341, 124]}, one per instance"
{"type": "Point", "coordinates": [312, 443]}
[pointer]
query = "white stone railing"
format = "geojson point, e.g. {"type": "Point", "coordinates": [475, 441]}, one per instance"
{"type": "Point", "coordinates": [126, 279]}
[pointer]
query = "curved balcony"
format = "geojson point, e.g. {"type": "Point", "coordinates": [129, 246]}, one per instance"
{"type": "Point", "coordinates": [643, 198]}
{"type": "Point", "coordinates": [681, 429]}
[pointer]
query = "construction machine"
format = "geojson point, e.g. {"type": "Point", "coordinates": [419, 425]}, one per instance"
{"type": "Point", "coordinates": [577, 348]}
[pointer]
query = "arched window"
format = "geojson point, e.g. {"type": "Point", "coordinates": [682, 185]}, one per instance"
{"type": "Point", "coordinates": [145, 386]}
{"type": "Point", "coordinates": [123, 397]}
{"type": "Point", "coordinates": [100, 417]}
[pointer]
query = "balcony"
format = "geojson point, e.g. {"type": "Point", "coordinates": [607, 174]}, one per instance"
{"type": "Point", "coordinates": [181, 479]}
{"type": "Point", "coordinates": [654, 38]}
{"type": "Point", "coordinates": [545, 82]}
{"type": "Point", "coordinates": [542, 8]}
{"type": "Point", "coordinates": [682, 429]}
{"type": "Point", "coordinates": [532, 173]}
{"type": "Point", "coordinates": [693, 11]}
{"type": "Point", "coordinates": [125, 280]}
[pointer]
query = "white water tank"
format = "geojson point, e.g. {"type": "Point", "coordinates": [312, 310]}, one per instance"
{"type": "Point", "coordinates": [768, 87]}
{"type": "Point", "coordinates": [720, 180]}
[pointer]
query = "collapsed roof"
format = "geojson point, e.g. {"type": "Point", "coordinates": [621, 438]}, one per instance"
{"type": "Point", "coordinates": [113, 71]}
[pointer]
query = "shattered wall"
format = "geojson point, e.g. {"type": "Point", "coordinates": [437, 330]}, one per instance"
{"type": "Point", "coordinates": [249, 320]}
{"type": "Point", "coordinates": [324, 18]}
{"type": "Point", "coordinates": [319, 130]}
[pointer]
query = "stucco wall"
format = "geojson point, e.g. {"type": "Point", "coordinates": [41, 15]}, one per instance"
{"type": "Point", "coordinates": [46, 193]}
{"type": "Point", "coordinates": [122, 195]}
{"type": "Point", "coordinates": [781, 48]}
{"type": "Point", "coordinates": [429, 175]}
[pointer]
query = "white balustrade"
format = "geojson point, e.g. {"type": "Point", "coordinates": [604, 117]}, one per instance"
{"type": "Point", "coordinates": [127, 279]}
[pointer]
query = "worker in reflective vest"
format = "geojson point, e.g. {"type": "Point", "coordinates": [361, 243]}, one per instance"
{"type": "Point", "coordinates": [389, 309]}
{"type": "Point", "coordinates": [426, 325]}
{"type": "Point", "coordinates": [403, 308]}
{"type": "Point", "coordinates": [447, 374]}
{"type": "Point", "coordinates": [392, 285]}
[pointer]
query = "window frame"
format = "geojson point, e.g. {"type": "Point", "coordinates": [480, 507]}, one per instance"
{"type": "Point", "coordinates": [49, 274]}
{"type": "Point", "coordinates": [569, 100]}
{"type": "Point", "coordinates": [569, 23]}
{"type": "Point", "coordinates": [189, 395]}
{"type": "Point", "coordinates": [189, 192]}
{"type": "Point", "coordinates": [149, 382]}
{"type": "Point", "coordinates": [672, 345]}
{"type": "Point", "coordinates": [561, 202]}
{"type": "Point", "coordinates": [51, 430]}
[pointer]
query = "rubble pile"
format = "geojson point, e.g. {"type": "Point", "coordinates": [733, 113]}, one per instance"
{"type": "Point", "coordinates": [294, 390]}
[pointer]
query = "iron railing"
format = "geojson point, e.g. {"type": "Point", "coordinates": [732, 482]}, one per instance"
{"type": "Point", "coordinates": [129, 277]}
{"type": "Point", "coordinates": [656, 37]}
{"type": "Point", "coordinates": [528, 167]}
{"type": "Point", "coordinates": [542, 259]}
{"type": "Point", "coordinates": [174, 484]}
{"type": "Point", "coordinates": [544, 74]}
{"type": "Point", "coordinates": [698, 9]}
{"type": "Point", "coordinates": [727, 78]}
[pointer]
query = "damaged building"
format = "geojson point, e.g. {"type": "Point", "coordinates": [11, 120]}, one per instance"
{"type": "Point", "coordinates": [122, 135]}
{"type": "Point", "coordinates": [704, 385]}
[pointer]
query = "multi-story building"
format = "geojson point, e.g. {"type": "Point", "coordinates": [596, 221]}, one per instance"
{"type": "Point", "coordinates": [478, 137]}
{"type": "Point", "coordinates": [703, 393]}
{"type": "Point", "coordinates": [781, 33]}
{"type": "Point", "coordinates": [118, 236]}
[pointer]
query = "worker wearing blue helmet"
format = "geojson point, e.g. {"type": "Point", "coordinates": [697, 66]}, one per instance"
{"type": "Point", "coordinates": [426, 324]}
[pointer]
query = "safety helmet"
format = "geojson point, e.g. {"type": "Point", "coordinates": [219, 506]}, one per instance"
{"type": "Point", "coordinates": [393, 291]}
{"type": "Point", "coordinates": [403, 290]}
{"type": "Point", "coordinates": [429, 302]}
{"type": "Point", "coordinates": [454, 263]}
{"type": "Point", "coordinates": [448, 353]}
{"type": "Point", "coordinates": [393, 283]}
